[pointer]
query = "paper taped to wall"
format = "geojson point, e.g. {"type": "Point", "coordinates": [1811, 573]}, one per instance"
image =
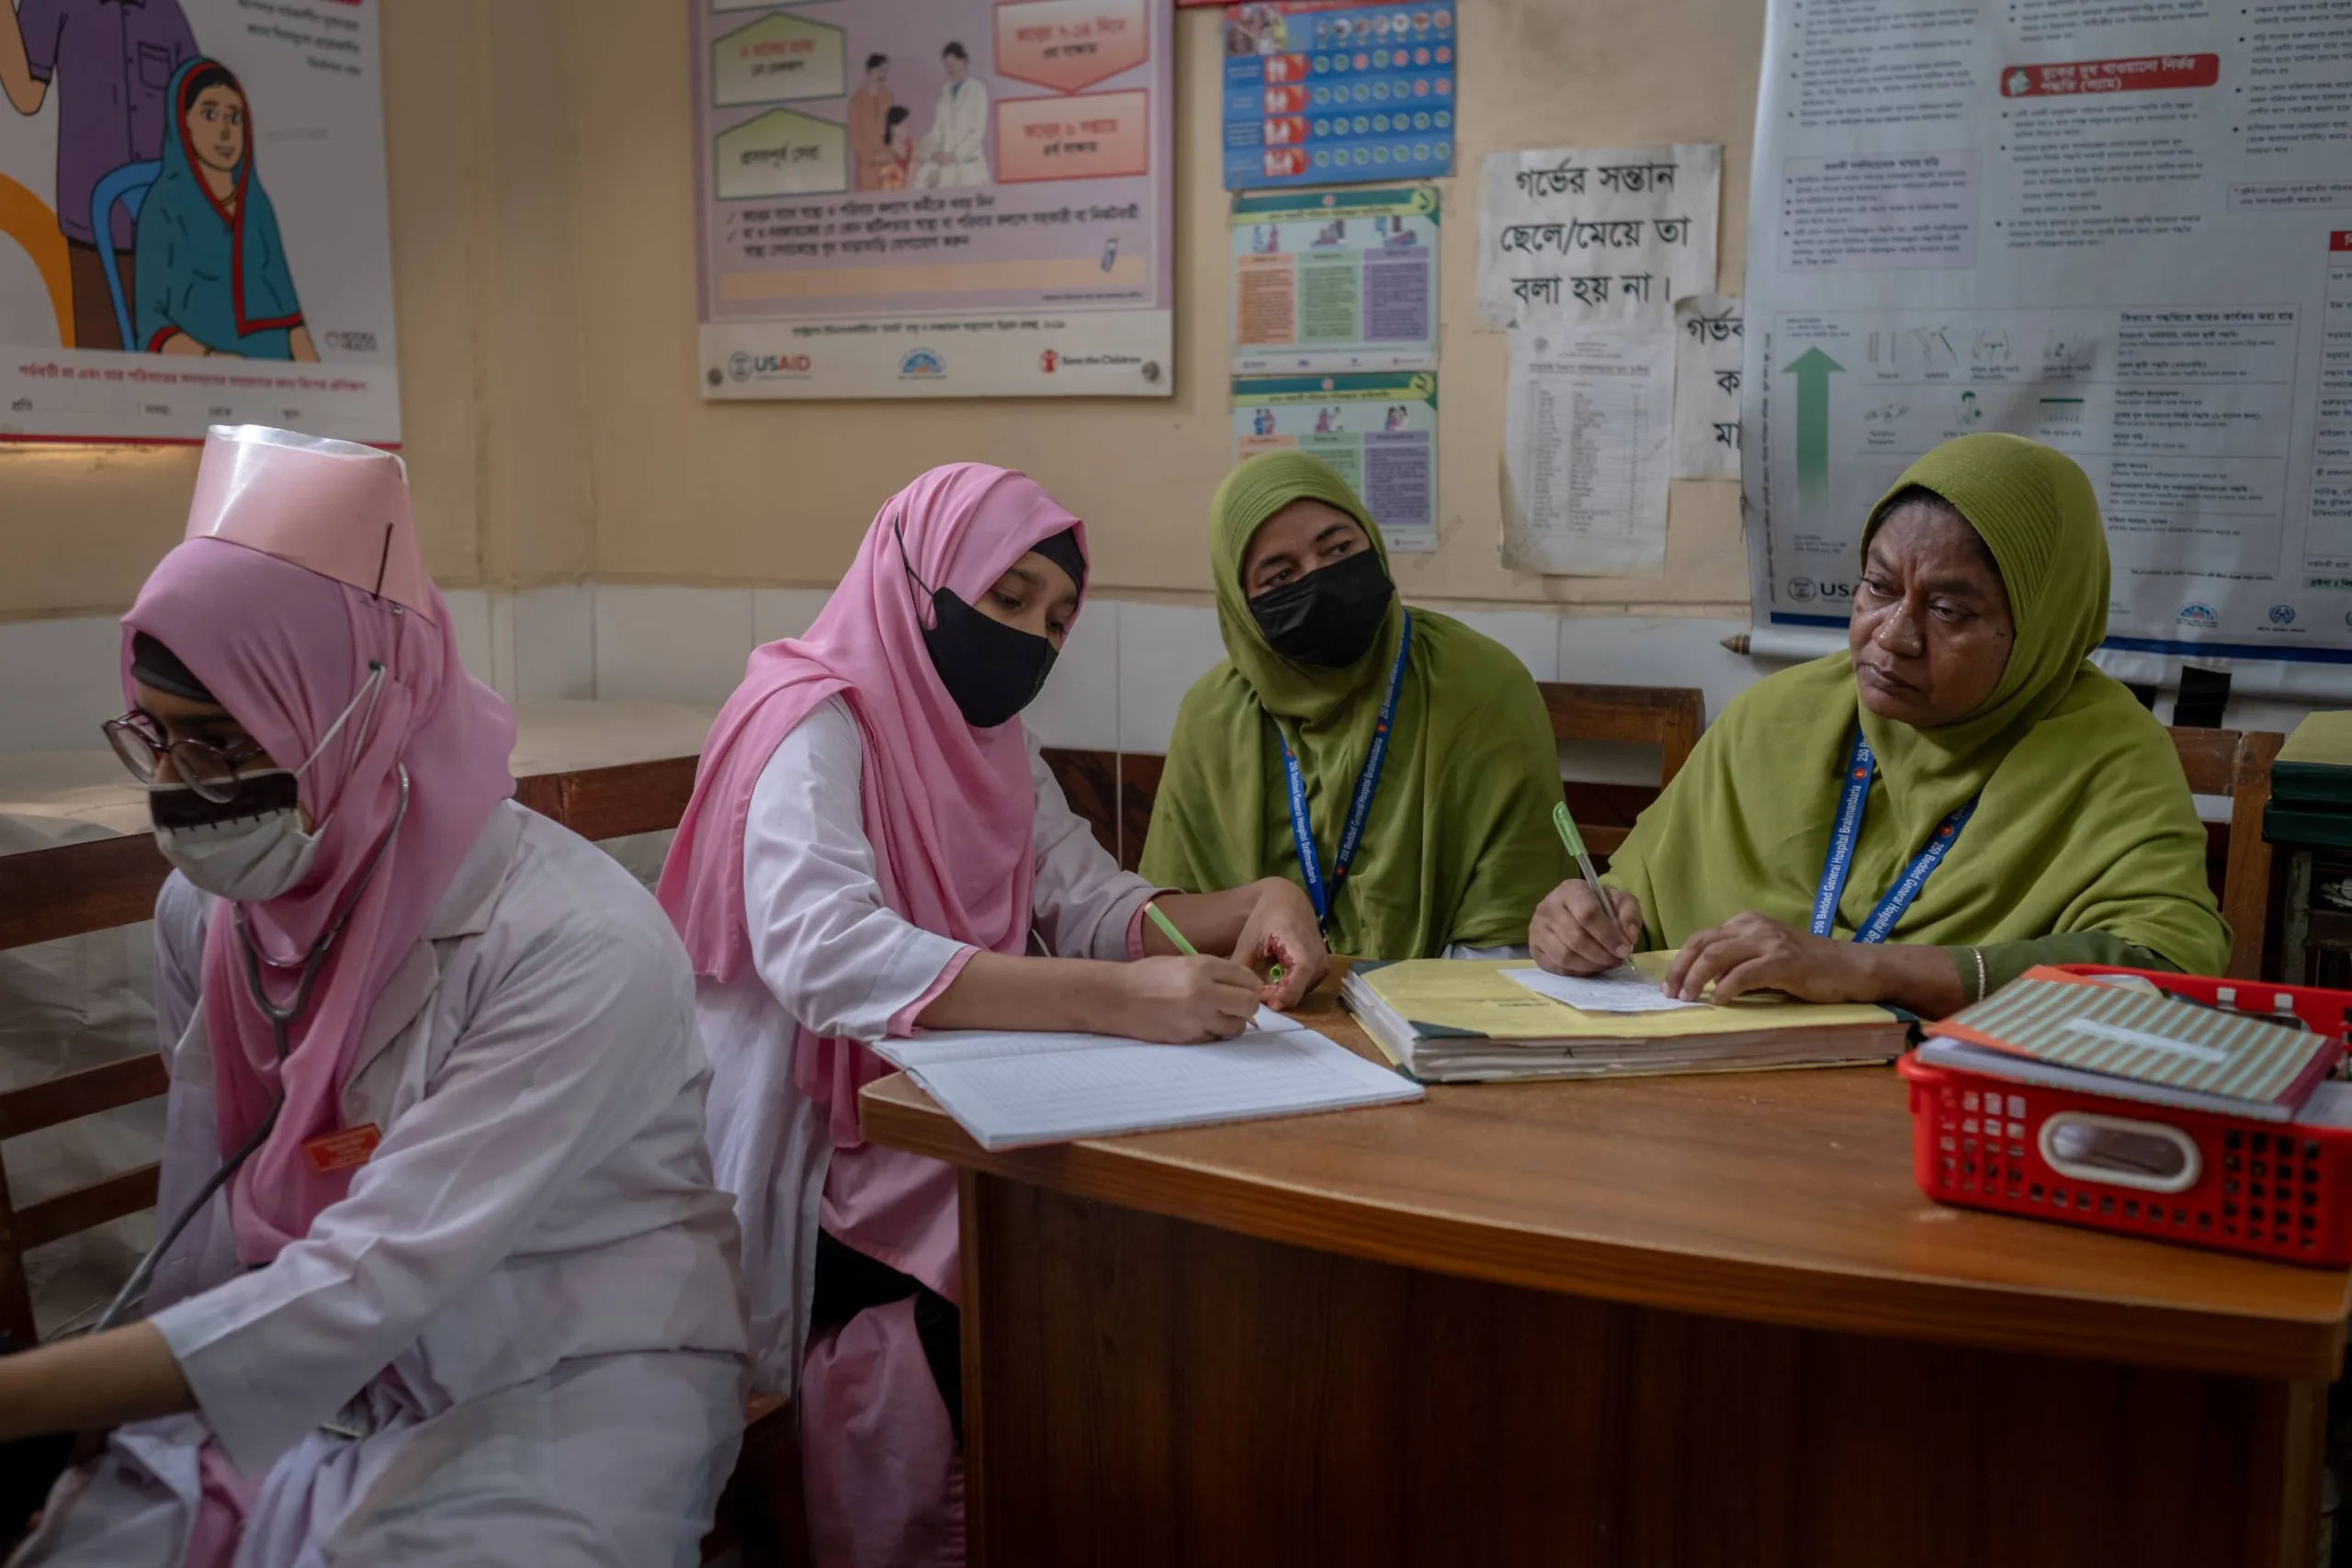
{"type": "Point", "coordinates": [1709, 339]}
{"type": "Point", "coordinates": [1595, 234]}
{"type": "Point", "coordinates": [1588, 418]}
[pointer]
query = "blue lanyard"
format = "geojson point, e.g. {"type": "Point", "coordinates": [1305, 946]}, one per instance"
{"type": "Point", "coordinates": [1847, 828]}
{"type": "Point", "coordinates": [1302, 831]}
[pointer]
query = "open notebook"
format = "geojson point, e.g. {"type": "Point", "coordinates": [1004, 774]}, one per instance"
{"type": "Point", "coordinates": [1009, 1091]}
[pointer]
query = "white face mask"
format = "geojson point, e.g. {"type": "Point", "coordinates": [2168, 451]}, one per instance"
{"type": "Point", "coordinates": [247, 859]}
{"type": "Point", "coordinates": [252, 858]}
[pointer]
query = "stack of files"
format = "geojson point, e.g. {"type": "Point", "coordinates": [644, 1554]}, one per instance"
{"type": "Point", "coordinates": [1470, 1021]}
{"type": "Point", "coordinates": [1010, 1091]}
{"type": "Point", "coordinates": [2311, 785]}
{"type": "Point", "coordinates": [2070, 1031]}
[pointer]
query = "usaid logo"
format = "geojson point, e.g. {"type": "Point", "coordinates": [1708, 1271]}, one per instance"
{"type": "Point", "coordinates": [921, 365]}
{"type": "Point", "coordinates": [767, 367]}
{"type": "Point", "coordinates": [1801, 589]}
{"type": "Point", "coordinates": [2199, 616]}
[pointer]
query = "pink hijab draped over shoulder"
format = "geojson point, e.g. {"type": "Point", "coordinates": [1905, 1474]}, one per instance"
{"type": "Point", "coordinates": [300, 572]}
{"type": "Point", "coordinates": [949, 810]}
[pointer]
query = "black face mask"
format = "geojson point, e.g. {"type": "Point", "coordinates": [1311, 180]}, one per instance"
{"type": "Point", "coordinates": [992, 671]}
{"type": "Point", "coordinates": [1330, 617]}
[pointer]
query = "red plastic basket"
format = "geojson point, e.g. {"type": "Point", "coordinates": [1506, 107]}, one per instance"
{"type": "Point", "coordinates": [2268, 1188]}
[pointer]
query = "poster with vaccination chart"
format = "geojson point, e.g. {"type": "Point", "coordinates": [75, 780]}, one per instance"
{"type": "Point", "coordinates": [1323, 92]}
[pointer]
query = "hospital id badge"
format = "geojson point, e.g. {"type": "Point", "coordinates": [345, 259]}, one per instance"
{"type": "Point", "coordinates": [346, 1150]}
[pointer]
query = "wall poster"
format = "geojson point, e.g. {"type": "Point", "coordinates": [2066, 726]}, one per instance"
{"type": "Point", "coordinates": [933, 197]}
{"type": "Point", "coordinates": [1323, 92]}
{"type": "Point", "coordinates": [1379, 432]}
{"type": "Point", "coordinates": [1336, 280]}
{"type": "Point", "coordinates": [2124, 231]}
{"type": "Point", "coordinates": [193, 226]}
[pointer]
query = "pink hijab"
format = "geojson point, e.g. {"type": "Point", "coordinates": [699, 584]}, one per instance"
{"type": "Point", "coordinates": [286, 649]}
{"type": "Point", "coordinates": [949, 810]}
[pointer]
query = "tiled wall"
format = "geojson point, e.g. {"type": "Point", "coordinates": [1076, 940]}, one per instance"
{"type": "Point", "coordinates": [1116, 687]}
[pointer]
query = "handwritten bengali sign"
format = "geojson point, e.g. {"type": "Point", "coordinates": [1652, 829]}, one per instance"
{"type": "Point", "coordinates": [1595, 234]}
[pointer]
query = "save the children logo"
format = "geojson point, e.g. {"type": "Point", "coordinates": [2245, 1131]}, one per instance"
{"type": "Point", "coordinates": [1047, 360]}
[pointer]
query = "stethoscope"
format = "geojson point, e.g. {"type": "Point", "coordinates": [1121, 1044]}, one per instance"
{"type": "Point", "coordinates": [281, 1019]}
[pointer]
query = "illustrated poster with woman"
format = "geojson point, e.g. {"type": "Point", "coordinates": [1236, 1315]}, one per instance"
{"type": "Point", "coordinates": [193, 226]}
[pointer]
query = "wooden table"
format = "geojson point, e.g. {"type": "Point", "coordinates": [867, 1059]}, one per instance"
{"type": "Point", "coordinates": [1669, 1321]}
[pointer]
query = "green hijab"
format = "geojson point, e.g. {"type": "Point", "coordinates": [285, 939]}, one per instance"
{"type": "Point", "coordinates": [2084, 821]}
{"type": "Point", "coordinates": [1459, 845]}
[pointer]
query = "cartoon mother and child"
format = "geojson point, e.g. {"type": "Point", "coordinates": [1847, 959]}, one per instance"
{"type": "Point", "coordinates": [204, 269]}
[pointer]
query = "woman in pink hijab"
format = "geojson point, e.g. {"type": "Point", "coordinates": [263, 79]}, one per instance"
{"type": "Point", "coordinates": [875, 846]}
{"type": "Point", "coordinates": [444, 1277]}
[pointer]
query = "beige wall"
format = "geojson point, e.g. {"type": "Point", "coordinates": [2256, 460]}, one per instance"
{"type": "Point", "coordinates": [542, 222]}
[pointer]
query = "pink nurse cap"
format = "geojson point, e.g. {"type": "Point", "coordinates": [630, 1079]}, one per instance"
{"type": "Point", "coordinates": [334, 507]}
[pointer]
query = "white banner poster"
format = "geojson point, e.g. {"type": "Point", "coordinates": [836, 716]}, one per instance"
{"type": "Point", "coordinates": [2130, 239]}
{"type": "Point", "coordinates": [943, 198]}
{"type": "Point", "coordinates": [1593, 234]}
{"type": "Point", "coordinates": [194, 228]}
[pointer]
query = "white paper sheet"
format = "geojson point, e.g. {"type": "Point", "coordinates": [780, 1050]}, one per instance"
{"type": "Point", "coordinates": [1589, 422]}
{"type": "Point", "coordinates": [1595, 234]}
{"type": "Point", "coordinates": [1009, 1091]}
{"type": "Point", "coordinates": [1709, 334]}
{"type": "Point", "coordinates": [1623, 989]}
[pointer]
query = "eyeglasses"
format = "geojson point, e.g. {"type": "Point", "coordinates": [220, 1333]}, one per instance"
{"type": "Point", "coordinates": [205, 768]}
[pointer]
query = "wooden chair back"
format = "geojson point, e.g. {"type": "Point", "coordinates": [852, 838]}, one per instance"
{"type": "Point", "coordinates": [2236, 764]}
{"type": "Point", "coordinates": [1668, 717]}
{"type": "Point", "coordinates": [74, 889]}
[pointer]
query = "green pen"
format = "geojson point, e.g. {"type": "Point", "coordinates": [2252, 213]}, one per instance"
{"type": "Point", "coordinates": [1168, 929]}
{"type": "Point", "coordinates": [1575, 841]}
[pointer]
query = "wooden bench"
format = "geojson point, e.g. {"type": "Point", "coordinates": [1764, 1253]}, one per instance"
{"type": "Point", "coordinates": [74, 889]}
{"type": "Point", "coordinates": [1668, 717]}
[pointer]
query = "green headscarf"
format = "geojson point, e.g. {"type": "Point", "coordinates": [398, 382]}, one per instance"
{"type": "Point", "coordinates": [1459, 845]}
{"type": "Point", "coordinates": [2083, 822]}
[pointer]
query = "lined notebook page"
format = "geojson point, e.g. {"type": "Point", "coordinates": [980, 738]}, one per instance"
{"type": "Point", "coordinates": [1009, 1091]}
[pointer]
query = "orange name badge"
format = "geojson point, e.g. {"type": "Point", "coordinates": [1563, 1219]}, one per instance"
{"type": "Point", "coordinates": [346, 1150]}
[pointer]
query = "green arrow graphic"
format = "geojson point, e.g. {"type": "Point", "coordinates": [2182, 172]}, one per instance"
{"type": "Point", "coordinates": [1812, 368]}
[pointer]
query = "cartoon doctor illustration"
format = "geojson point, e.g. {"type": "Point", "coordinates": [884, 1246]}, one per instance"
{"type": "Point", "coordinates": [954, 151]}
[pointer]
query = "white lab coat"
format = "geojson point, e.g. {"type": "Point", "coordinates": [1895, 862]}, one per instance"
{"type": "Point", "coordinates": [959, 128]}
{"type": "Point", "coordinates": [829, 955]}
{"type": "Point", "coordinates": [519, 1337]}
